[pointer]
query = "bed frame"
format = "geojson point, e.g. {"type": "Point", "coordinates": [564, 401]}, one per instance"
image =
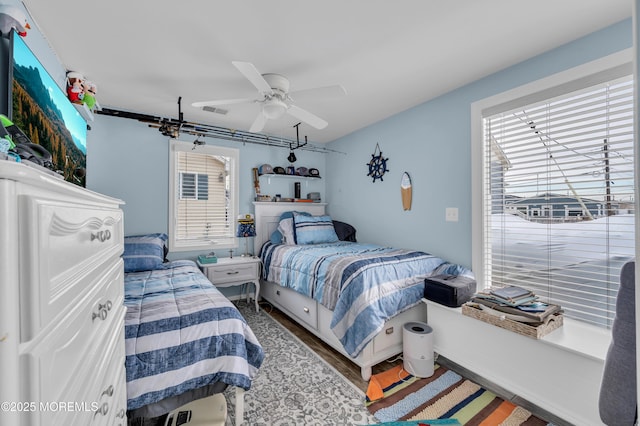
{"type": "Point", "coordinates": [312, 315]}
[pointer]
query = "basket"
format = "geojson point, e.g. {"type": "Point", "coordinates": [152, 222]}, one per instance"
{"type": "Point", "coordinates": [538, 331]}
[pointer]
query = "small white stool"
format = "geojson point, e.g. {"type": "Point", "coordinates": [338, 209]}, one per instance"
{"type": "Point", "coordinates": [209, 411]}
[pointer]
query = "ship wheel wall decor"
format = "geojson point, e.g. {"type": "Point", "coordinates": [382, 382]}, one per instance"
{"type": "Point", "coordinates": [377, 165]}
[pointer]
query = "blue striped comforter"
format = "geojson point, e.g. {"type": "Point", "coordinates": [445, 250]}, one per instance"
{"type": "Point", "coordinates": [182, 334]}
{"type": "Point", "coordinates": [363, 284]}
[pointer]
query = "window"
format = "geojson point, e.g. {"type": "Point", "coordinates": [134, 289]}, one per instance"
{"type": "Point", "coordinates": [557, 193]}
{"type": "Point", "coordinates": [194, 186]}
{"type": "Point", "coordinates": [203, 198]}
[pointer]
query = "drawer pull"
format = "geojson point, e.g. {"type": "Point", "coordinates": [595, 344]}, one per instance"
{"type": "Point", "coordinates": [103, 311]}
{"type": "Point", "coordinates": [108, 391]}
{"type": "Point", "coordinates": [103, 410]}
{"type": "Point", "coordinates": [107, 306]}
{"type": "Point", "coordinates": [233, 272]}
{"type": "Point", "coordinates": [389, 330]}
{"type": "Point", "coordinates": [278, 292]}
{"type": "Point", "coordinates": [102, 314]}
{"type": "Point", "coordinates": [306, 310]}
{"type": "Point", "coordinates": [121, 413]}
{"type": "Point", "coordinates": [101, 236]}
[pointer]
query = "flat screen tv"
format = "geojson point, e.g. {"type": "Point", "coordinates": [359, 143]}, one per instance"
{"type": "Point", "coordinates": [41, 109]}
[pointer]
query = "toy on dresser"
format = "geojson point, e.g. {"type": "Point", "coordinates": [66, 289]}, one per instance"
{"type": "Point", "coordinates": [75, 91]}
{"type": "Point", "coordinates": [89, 94]}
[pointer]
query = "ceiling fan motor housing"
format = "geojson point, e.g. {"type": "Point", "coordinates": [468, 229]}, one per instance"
{"type": "Point", "coordinates": [274, 106]}
{"type": "Point", "coordinates": [277, 82]}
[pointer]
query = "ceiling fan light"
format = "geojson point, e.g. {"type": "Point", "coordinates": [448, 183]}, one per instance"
{"type": "Point", "coordinates": [274, 109]}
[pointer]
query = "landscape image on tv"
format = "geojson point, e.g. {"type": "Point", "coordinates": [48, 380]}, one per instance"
{"type": "Point", "coordinates": [44, 113]}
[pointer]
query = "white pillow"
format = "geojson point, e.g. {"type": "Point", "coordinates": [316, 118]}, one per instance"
{"type": "Point", "coordinates": [286, 229]}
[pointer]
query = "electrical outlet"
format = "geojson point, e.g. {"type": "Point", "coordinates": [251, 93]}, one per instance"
{"type": "Point", "coordinates": [451, 214]}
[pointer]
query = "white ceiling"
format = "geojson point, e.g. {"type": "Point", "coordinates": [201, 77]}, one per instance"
{"type": "Point", "coordinates": [388, 55]}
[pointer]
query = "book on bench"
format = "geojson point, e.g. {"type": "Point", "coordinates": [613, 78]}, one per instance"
{"type": "Point", "coordinates": [513, 295]}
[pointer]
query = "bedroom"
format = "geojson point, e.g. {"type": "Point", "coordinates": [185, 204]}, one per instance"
{"type": "Point", "coordinates": [125, 151]}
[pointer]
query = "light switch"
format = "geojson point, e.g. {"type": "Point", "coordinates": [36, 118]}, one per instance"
{"type": "Point", "coordinates": [451, 214]}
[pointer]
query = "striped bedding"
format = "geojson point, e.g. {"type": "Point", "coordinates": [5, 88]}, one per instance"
{"type": "Point", "coordinates": [363, 284]}
{"type": "Point", "coordinates": [182, 335]}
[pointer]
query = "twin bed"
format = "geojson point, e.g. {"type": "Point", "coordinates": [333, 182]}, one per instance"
{"type": "Point", "coordinates": [355, 297]}
{"type": "Point", "coordinates": [184, 339]}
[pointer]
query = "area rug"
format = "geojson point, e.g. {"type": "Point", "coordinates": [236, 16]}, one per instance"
{"type": "Point", "coordinates": [450, 422]}
{"type": "Point", "coordinates": [396, 395]}
{"type": "Point", "coordinates": [294, 386]}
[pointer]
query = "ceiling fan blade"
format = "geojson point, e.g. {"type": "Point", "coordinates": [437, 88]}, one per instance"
{"type": "Point", "coordinates": [253, 75]}
{"type": "Point", "coordinates": [222, 102]}
{"type": "Point", "coordinates": [319, 93]}
{"type": "Point", "coordinates": [259, 123]}
{"type": "Point", "coordinates": [307, 117]}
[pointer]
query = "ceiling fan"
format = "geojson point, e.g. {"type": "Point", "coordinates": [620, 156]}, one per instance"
{"type": "Point", "coordinates": [275, 98]}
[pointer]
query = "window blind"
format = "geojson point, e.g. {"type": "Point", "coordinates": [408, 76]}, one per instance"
{"type": "Point", "coordinates": [559, 196]}
{"type": "Point", "coordinates": [204, 204]}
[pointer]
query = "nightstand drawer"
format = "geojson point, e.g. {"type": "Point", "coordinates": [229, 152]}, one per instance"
{"type": "Point", "coordinates": [222, 274]}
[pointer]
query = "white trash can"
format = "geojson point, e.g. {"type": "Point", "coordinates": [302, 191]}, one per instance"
{"type": "Point", "coordinates": [417, 349]}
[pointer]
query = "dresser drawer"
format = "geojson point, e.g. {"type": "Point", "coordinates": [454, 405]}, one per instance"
{"type": "Point", "coordinates": [111, 394]}
{"type": "Point", "coordinates": [63, 246]}
{"type": "Point", "coordinates": [98, 389]}
{"type": "Point", "coordinates": [57, 354]}
{"type": "Point", "coordinates": [118, 403]}
{"type": "Point", "coordinates": [222, 274]}
{"type": "Point", "coordinates": [292, 302]}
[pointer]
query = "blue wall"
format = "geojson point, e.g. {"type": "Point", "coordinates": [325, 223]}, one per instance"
{"type": "Point", "coordinates": [432, 142]}
{"type": "Point", "coordinates": [129, 160]}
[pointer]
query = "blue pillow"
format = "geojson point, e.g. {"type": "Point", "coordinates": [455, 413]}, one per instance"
{"type": "Point", "coordinates": [276, 236]}
{"type": "Point", "coordinates": [314, 229]}
{"type": "Point", "coordinates": [144, 252]}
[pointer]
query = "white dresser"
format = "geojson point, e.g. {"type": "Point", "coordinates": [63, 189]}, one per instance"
{"type": "Point", "coordinates": [61, 303]}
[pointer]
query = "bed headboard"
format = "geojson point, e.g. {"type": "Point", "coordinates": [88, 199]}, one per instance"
{"type": "Point", "coordinates": [267, 216]}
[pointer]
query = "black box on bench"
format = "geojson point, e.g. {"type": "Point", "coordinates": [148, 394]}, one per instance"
{"type": "Point", "coordinates": [449, 290]}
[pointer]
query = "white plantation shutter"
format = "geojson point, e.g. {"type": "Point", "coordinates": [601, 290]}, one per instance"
{"type": "Point", "coordinates": [204, 197]}
{"type": "Point", "coordinates": [559, 196]}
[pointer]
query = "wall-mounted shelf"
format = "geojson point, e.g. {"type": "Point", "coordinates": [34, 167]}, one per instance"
{"type": "Point", "coordinates": [84, 111]}
{"type": "Point", "coordinates": [278, 176]}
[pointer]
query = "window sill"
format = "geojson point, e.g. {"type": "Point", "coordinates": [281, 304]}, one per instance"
{"type": "Point", "coordinates": [581, 338]}
{"type": "Point", "coordinates": [574, 336]}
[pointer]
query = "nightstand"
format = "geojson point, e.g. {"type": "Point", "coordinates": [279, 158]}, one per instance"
{"type": "Point", "coordinates": [230, 272]}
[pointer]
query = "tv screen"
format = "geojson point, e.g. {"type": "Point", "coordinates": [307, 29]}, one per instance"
{"type": "Point", "coordinates": [41, 109]}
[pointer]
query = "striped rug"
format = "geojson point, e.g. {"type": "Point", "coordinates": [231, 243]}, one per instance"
{"type": "Point", "coordinates": [396, 395]}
